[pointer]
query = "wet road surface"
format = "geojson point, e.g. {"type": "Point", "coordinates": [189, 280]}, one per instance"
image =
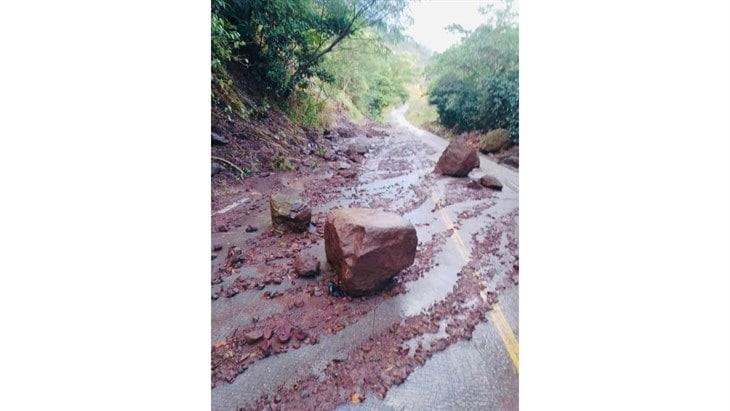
{"type": "Point", "coordinates": [476, 373]}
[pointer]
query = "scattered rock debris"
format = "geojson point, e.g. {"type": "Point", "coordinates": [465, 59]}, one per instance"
{"type": "Point", "coordinates": [311, 308]}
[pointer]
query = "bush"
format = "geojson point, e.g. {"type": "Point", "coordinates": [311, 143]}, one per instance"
{"type": "Point", "coordinates": [474, 85]}
{"type": "Point", "coordinates": [372, 75]}
{"type": "Point", "coordinates": [493, 140]}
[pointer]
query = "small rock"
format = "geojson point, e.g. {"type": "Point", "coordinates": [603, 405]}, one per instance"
{"type": "Point", "coordinates": [329, 155]}
{"type": "Point", "coordinates": [251, 229]}
{"type": "Point", "coordinates": [512, 161]}
{"type": "Point", "coordinates": [343, 165]}
{"type": "Point", "coordinates": [289, 211]}
{"type": "Point", "coordinates": [340, 356]}
{"type": "Point", "coordinates": [356, 148]}
{"type": "Point", "coordinates": [345, 132]}
{"type": "Point", "coordinates": [216, 168]}
{"type": "Point", "coordinates": [283, 333]}
{"type": "Point", "coordinates": [222, 228]}
{"type": "Point", "coordinates": [348, 173]}
{"type": "Point", "coordinates": [303, 394]}
{"type": "Point", "coordinates": [217, 139]}
{"type": "Point", "coordinates": [217, 247]}
{"type": "Point", "coordinates": [490, 182]}
{"type": "Point", "coordinates": [253, 336]}
{"type": "Point", "coordinates": [474, 184]}
{"type": "Point", "coordinates": [306, 266]}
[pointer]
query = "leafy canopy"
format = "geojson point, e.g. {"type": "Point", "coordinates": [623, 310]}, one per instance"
{"type": "Point", "coordinates": [281, 43]}
{"type": "Point", "coordinates": [474, 84]}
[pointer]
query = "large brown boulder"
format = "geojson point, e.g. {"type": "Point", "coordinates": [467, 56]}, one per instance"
{"type": "Point", "coordinates": [493, 140]}
{"type": "Point", "coordinates": [289, 211]}
{"type": "Point", "coordinates": [458, 159]}
{"type": "Point", "coordinates": [367, 247]}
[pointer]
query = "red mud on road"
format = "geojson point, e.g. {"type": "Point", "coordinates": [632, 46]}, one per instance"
{"type": "Point", "coordinates": [308, 311]}
{"type": "Point", "coordinates": [384, 360]}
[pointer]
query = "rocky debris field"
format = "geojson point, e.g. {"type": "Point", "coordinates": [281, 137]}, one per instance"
{"type": "Point", "coordinates": [277, 288]}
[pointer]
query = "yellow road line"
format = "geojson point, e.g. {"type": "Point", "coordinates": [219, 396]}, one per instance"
{"type": "Point", "coordinates": [505, 332]}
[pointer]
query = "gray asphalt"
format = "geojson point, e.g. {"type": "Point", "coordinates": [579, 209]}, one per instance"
{"type": "Point", "coordinates": [474, 374]}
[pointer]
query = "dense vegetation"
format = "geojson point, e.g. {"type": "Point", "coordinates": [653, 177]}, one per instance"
{"type": "Point", "coordinates": [474, 84]}
{"type": "Point", "coordinates": [370, 73]}
{"type": "Point", "coordinates": [296, 51]}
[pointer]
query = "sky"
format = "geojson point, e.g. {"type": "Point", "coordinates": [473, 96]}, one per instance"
{"type": "Point", "coordinates": [430, 17]}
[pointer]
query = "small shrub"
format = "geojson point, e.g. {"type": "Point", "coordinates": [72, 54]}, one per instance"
{"type": "Point", "coordinates": [280, 162]}
{"type": "Point", "coordinates": [493, 140]}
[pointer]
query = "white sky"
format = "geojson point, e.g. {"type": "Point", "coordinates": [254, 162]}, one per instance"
{"type": "Point", "coordinates": [430, 17]}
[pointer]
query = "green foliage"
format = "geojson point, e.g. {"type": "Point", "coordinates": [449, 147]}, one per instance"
{"type": "Point", "coordinates": [280, 162]}
{"type": "Point", "coordinates": [281, 43]}
{"type": "Point", "coordinates": [225, 40]}
{"type": "Point", "coordinates": [306, 108]}
{"type": "Point", "coordinates": [474, 85]}
{"type": "Point", "coordinates": [419, 111]}
{"type": "Point", "coordinates": [370, 73]}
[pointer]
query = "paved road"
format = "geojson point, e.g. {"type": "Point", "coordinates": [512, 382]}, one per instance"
{"type": "Point", "coordinates": [480, 373]}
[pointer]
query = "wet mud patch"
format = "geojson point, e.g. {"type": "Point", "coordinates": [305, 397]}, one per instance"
{"type": "Point", "coordinates": [385, 359]}
{"type": "Point", "coordinates": [495, 252]}
{"type": "Point", "coordinates": [310, 311]}
{"type": "Point", "coordinates": [458, 191]}
{"type": "Point", "coordinates": [270, 251]}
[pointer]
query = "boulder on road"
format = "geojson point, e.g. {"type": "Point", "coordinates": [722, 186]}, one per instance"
{"type": "Point", "coordinates": [289, 211]}
{"type": "Point", "coordinates": [367, 247]}
{"type": "Point", "coordinates": [493, 140]}
{"type": "Point", "coordinates": [217, 139]}
{"type": "Point", "coordinates": [490, 182]}
{"type": "Point", "coordinates": [458, 159]}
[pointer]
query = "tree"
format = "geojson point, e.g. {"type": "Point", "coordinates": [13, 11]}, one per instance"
{"type": "Point", "coordinates": [474, 84]}
{"type": "Point", "coordinates": [283, 42]}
